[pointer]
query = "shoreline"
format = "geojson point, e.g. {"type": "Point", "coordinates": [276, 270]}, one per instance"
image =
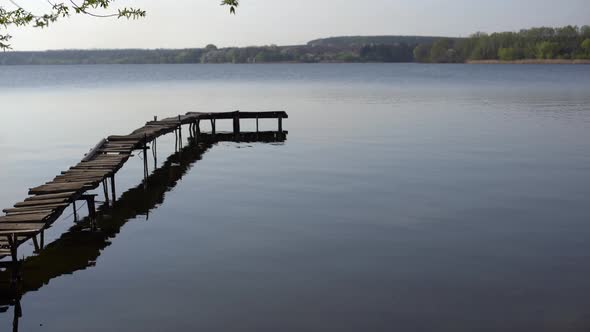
{"type": "Point", "coordinates": [530, 62]}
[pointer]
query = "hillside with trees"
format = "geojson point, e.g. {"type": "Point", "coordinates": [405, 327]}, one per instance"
{"type": "Point", "coordinates": [566, 43]}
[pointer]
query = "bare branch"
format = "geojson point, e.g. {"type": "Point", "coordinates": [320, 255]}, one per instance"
{"type": "Point", "coordinates": [21, 17]}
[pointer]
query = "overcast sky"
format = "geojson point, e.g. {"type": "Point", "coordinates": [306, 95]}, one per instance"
{"type": "Point", "coordinates": [195, 23]}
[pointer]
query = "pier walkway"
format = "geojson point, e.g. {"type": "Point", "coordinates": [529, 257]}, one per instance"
{"type": "Point", "coordinates": [29, 218]}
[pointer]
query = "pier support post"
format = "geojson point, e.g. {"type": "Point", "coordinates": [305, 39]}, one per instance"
{"type": "Point", "coordinates": [75, 211]}
{"type": "Point", "coordinates": [145, 164]}
{"type": "Point", "coordinates": [280, 124]}
{"type": "Point", "coordinates": [175, 139]}
{"type": "Point", "coordinates": [12, 242]}
{"type": "Point", "coordinates": [113, 188]}
{"type": "Point", "coordinates": [213, 126]}
{"type": "Point", "coordinates": [106, 192]}
{"type": "Point", "coordinates": [155, 152]}
{"type": "Point", "coordinates": [91, 205]}
{"type": "Point", "coordinates": [237, 123]}
{"type": "Point", "coordinates": [257, 123]}
{"type": "Point", "coordinates": [179, 132]}
{"type": "Point", "coordinates": [36, 244]}
{"type": "Point", "coordinates": [18, 313]}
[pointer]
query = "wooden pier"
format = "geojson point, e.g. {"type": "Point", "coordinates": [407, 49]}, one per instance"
{"type": "Point", "coordinates": [30, 218]}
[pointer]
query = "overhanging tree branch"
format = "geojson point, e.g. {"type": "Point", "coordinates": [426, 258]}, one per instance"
{"type": "Point", "coordinates": [20, 17]}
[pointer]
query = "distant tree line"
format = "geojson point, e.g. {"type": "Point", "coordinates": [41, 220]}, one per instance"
{"type": "Point", "coordinates": [569, 42]}
{"type": "Point", "coordinates": [566, 43]}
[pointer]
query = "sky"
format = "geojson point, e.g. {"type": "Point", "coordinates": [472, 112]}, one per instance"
{"type": "Point", "coordinates": [196, 23]}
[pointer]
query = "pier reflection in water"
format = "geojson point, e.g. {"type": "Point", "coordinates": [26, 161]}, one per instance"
{"type": "Point", "coordinates": [80, 247]}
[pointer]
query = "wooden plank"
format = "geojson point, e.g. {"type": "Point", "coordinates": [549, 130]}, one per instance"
{"type": "Point", "coordinates": [36, 207]}
{"type": "Point", "coordinates": [41, 202]}
{"type": "Point", "coordinates": [25, 218]}
{"type": "Point", "coordinates": [21, 228]}
{"type": "Point", "coordinates": [243, 115]}
{"type": "Point", "coordinates": [67, 194]}
{"type": "Point", "coordinates": [69, 179]}
{"type": "Point", "coordinates": [115, 150]}
{"type": "Point", "coordinates": [94, 151]}
{"type": "Point", "coordinates": [77, 178]}
{"type": "Point", "coordinates": [14, 213]}
{"type": "Point", "coordinates": [131, 138]}
{"type": "Point", "coordinates": [59, 188]}
{"type": "Point", "coordinates": [122, 140]}
{"type": "Point", "coordinates": [109, 157]}
{"type": "Point", "coordinates": [81, 177]}
{"type": "Point", "coordinates": [97, 168]}
{"type": "Point", "coordinates": [120, 157]}
{"type": "Point", "coordinates": [86, 172]}
{"type": "Point", "coordinates": [101, 163]}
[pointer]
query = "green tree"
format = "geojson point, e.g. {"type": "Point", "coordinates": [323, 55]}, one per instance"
{"type": "Point", "coordinates": [211, 47]}
{"type": "Point", "coordinates": [18, 16]}
{"type": "Point", "coordinates": [509, 54]}
{"type": "Point", "coordinates": [422, 53]}
{"type": "Point", "coordinates": [586, 46]}
{"type": "Point", "coordinates": [442, 51]}
{"type": "Point", "coordinates": [547, 50]}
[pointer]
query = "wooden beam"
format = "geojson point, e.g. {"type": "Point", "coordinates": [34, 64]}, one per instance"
{"type": "Point", "coordinates": [94, 151]}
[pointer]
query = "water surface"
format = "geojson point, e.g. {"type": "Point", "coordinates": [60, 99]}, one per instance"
{"type": "Point", "coordinates": [407, 197]}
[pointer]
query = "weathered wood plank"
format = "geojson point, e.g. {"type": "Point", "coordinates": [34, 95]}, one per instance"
{"type": "Point", "coordinates": [41, 202]}
{"type": "Point", "coordinates": [12, 212]}
{"type": "Point", "coordinates": [67, 194]}
{"type": "Point", "coordinates": [68, 179]}
{"type": "Point", "coordinates": [94, 151]}
{"type": "Point", "coordinates": [116, 150]}
{"type": "Point", "coordinates": [101, 163]}
{"type": "Point", "coordinates": [21, 228]}
{"type": "Point", "coordinates": [36, 207]}
{"type": "Point", "coordinates": [59, 188]}
{"type": "Point", "coordinates": [96, 168]}
{"type": "Point", "coordinates": [25, 218]}
{"type": "Point", "coordinates": [86, 172]}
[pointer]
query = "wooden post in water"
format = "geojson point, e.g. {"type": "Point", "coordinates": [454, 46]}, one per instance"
{"type": "Point", "coordinates": [113, 188]}
{"type": "Point", "coordinates": [106, 192]}
{"type": "Point", "coordinates": [198, 128]}
{"type": "Point", "coordinates": [280, 124]}
{"type": "Point", "coordinates": [91, 206]}
{"type": "Point", "coordinates": [256, 123]}
{"type": "Point", "coordinates": [145, 164]}
{"type": "Point", "coordinates": [237, 123]}
{"type": "Point", "coordinates": [175, 139]}
{"type": "Point", "coordinates": [18, 310]}
{"type": "Point", "coordinates": [75, 212]}
{"type": "Point", "coordinates": [213, 126]}
{"type": "Point", "coordinates": [155, 147]}
{"type": "Point", "coordinates": [12, 242]}
{"type": "Point", "coordinates": [36, 244]}
{"type": "Point", "coordinates": [179, 133]}
{"type": "Point", "coordinates": [155, 152]}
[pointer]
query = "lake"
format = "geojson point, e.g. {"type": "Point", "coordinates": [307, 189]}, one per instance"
{"type": "Point", "coordinates": [406, 197]}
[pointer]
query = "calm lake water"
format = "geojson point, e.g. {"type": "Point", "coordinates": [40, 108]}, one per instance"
{"type": "Point", "coordinates": [406, 197]}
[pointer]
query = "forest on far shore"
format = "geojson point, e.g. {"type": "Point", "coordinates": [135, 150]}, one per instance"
{"type": "Point", "coordinates": [545, 43]}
